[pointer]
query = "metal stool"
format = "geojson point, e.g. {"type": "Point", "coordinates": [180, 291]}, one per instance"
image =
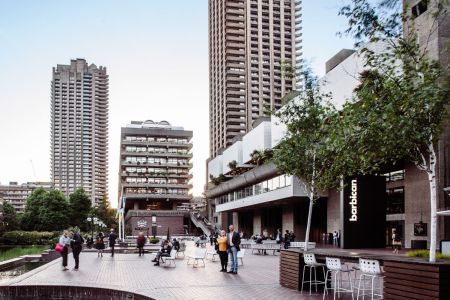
{"type": "Point", "coordinates": [370, 269]}
{"type": "Point", "coordinates": [311, 263]}
{"type": "Point", "coordinates": [334, 266]}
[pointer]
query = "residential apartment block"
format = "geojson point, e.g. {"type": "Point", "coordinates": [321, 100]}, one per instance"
{"type": "Point", "coordinates": [252, 43]}
{"type": "Point", "coordinates": [79, 129]}
{"type": "Point", "coordinates": [17, 194]}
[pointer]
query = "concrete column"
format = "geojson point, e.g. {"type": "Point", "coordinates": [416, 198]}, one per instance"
{"type": "Point", "coordinates": [287, 218]}
{"type": "Point", "coordinates": [136, 205]}
{"type": "Point", "coordinates": [235, 221]}
{"type": "Point", "coordinates": [256, 222]}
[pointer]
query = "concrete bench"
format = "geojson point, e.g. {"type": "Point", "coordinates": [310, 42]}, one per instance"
{"type": "Point", "coordinates": [301, 245]}
{"type": "Point", "coordinates": [266, 247]}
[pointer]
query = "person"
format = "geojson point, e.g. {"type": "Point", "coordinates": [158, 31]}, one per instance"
{"type": "Point", "coordinates": [287, 239]}
{"type": "Point", "coordinates": [211, 239]}
{"type": "Point", "coordinates": [140, 241]}
{"type": "Point", "coordinates": [222, 250]}
{"type": "Point", "coordinates": [99, 244]}
{"type": "Point", "coordinates": [89, 242]}
{"type": "Point", "coordinates": [176, 244]}
{"type": "Point", "coordinates": [335, 238]}
{"type": "Point", "coordinates": [166, 247]}
{"type": "Point", "coordinates": [279, 236]}
{"type": "Point", "coordinates": [112, 241]}
{"type": "Point", "coordinates": [64, 241]}
{"type": "Point", "coordinates": [77, 246]}
{"type": "Point", "coordinates": [233, 242]}
{"type": "Point", "coordinates": [396, 241]}
{"type": "Point", "coordinates": [292, 236]}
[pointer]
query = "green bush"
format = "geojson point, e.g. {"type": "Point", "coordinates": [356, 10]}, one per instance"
{"type": "Point", "coordinates": [27, 238]}
{"type": "Point", "coordinates": [154, 240]}
{"type": "Point", "coordinates": [426, 254]}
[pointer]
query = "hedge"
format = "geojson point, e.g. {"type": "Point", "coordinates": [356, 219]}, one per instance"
{"type": "Point", "coordinates": [26, 238]}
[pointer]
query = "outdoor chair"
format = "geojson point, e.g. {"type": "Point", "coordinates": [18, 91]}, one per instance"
{"type": "Point", "coordinates": [370, 270]}
{"type": "Point", "coordinates": [181, 250]}
{"type": "Point", "coordinates": [170, 259]}
{"type": "Point", "coordinates": [312, 264]}
{"type": "Point", "coordinates": [240, 256]}
{"type": "Point", "coordinates": [199, 254]}
{"type": "Point", "coordinates": [212, 253]}
{"type": "Point", "coordinates": [335, 268]}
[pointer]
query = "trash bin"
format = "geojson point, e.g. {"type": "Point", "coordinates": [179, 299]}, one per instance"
{"type": "Point", "coordinates": [418, 244]}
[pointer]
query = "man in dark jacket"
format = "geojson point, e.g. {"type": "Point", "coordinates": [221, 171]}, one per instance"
{"type": "Point", "coordinates": [112, 241]}
{"type": "Point", "coordinates": [164, 252]}
{"type": "Point", "coordinates": [77, 246]}
{"type": "Point", "coordinates": [233, 242]}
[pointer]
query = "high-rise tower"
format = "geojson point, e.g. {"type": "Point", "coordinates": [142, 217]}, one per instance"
{"type": "Point", "coordinates": [250, 43]}
{"type": "Point", "coordinates": [79, 129]}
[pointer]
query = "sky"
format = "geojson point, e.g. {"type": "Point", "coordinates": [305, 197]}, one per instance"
{"type": "Point", "coordinates": [156, 54]}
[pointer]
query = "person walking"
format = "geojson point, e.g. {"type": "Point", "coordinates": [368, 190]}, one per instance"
{"type": "Point", "coordinates": [77, 246]}
{"type": "Point", "coordinates": [140, 241]}
{"type": "Point", "coordinates": [64, 241]}
{"type": "Point", "coordinates": [100, 244]}
{"type": "Point", "coordinates": [112, 241]}
{"type": "Point", "coordinates": [396, 241]}
{"type": "Point", "coordinates": [287, 239]}
{"type": "Point", "coordinates": [222, 250]}
{"type": "Point", "coordinates": [233, 242]}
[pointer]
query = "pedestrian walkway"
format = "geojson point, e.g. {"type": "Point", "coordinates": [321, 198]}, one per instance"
{"type": "Point", "coordinates": [257, 279]}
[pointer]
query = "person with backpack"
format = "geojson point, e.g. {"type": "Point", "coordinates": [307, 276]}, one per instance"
{"type": "Point", "coordinates": [100, 244]}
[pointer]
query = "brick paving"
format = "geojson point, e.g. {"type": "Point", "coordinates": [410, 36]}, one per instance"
{"type": "Point", "coordinates": [257, 279]}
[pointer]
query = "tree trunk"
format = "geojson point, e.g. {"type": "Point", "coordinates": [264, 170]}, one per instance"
{"type": "Point", "coordinates": [308, 225]}
{"type": "Point", "coordinates": [433, 204]}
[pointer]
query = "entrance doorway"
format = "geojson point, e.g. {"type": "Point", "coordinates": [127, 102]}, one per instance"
{"type": "Point", "coordinates": [399, 228]}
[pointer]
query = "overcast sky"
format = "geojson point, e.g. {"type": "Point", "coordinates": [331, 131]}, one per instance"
{"type": "Point", "coordinates": [156, 53]}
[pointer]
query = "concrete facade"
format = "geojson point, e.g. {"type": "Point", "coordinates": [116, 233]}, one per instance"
{"type": "Point", "coordinates": [17, 194]}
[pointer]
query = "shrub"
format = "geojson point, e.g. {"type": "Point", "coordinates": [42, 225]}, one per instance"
{"type": "Point", "coordinates": [426, 254]}
{"type": "Point", "coordinates": [154, 240]}
{"type": "Point", "coordinates": [26, 238]}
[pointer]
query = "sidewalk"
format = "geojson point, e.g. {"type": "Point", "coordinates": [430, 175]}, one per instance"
{"type": "Point", "coordinates": [257, 279]}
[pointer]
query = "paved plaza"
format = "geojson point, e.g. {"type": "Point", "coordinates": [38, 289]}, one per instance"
{"type": "Point", "coordinates": [257, 279]}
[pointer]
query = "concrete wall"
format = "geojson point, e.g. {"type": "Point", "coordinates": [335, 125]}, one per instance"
{"type": "Point", "coordinates": [334, 211]}
{"type": "Point", "coordinates": [215, 167]}
{"type": "Point", "coordinates": [174, 223]}
{"type": "Point", "coordinates": [257, 139]}
{"type": "Point", "coordinates": [234, 152]}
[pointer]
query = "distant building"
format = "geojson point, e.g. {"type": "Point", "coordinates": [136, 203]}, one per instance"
{"type": "Point", "coordinates": [250, 44]}
{"type": "Point", "coordinates": [79, 129]}
{"type": "Point", "coordinates": [155, 164]}
{"type": "Point", "coordinates": [17, 194]}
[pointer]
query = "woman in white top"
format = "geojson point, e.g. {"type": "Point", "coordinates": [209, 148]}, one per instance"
{"type": "Point", "coordinates": [64, 240]}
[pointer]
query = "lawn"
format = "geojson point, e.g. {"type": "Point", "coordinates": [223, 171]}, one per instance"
{"type": "Point", "coordinates": [19, 251]}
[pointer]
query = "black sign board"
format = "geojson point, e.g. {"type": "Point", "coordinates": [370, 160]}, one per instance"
{"type": "Point", "coordinates": [420, 229]}
{"type": "Point", "coordinates": [363, 204]}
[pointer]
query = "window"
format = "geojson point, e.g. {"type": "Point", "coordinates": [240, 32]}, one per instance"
{"type": "Point", "coordinates": [395, 201]}
{"type": "Point", "coordinates": [419, 8]}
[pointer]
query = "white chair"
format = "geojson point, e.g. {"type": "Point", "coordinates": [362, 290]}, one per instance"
{"type": "Point", "coordinates": [211, 253]}
{"type": "Point", "coordinates": [335, 268]}
{"type": "Point", "coordinates": [170, 259]}
{"type": "Point", "coordinates": [311, 263]}
{"type": "Point", "coordinates": [370, 269]}
{"type": "Point", "coordinates": [199, 254]}
{"type": "Point", "coordinates": [182, 249]}
{"type": "Point", "coordinates": [240, 256]}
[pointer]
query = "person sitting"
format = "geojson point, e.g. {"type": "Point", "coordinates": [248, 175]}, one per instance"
{"type": "Point", "coordinates": [176, 244]}
{"type": "Point", "coordinates": [163, 252]}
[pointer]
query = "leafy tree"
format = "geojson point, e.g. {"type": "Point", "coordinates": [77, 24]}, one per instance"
{"type": "Point", "coordinates": [80, 207]}
{"type": "Point", "coordinates": [45, 211]}
{"type": "Point", "coordinates": [400, 105]}
{"type": "Point", "coordinates": [304, 152]}
{"type": "Point", "coordinates": [104, 212]}
{"type": "Point", "coordinates": [10, 221]}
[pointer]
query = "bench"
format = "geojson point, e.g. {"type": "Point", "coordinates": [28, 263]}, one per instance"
{"type": "Point", "coordinates": [301, 245]}
{"type": "Point", "coordinates": [199, 254]}
{"type": "Point", "coordinates": [266, 247]}
{"type": "Point", "coordinates": [170, 259]}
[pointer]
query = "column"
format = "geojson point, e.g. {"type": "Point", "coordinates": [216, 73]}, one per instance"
{"type": "Point", "coordinates": [287, 218]}
{"type": "Point", "coordinates": [256, 223]}
{"type": "Point", "coordinates": [235, 221]}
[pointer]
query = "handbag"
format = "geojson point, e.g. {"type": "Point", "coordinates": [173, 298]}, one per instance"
{"type": "Point", "coordinates": [59, 247]}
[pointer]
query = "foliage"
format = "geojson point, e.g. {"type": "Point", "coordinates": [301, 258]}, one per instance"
{"type": "Point", "coordinates": [305, 151]}
{"type": "Point", "coordinates": [10, 219]}
{"type": "Point", "coordinates": [154, 240]}
{"type": "Point", "coordinates": [426, 254]}
{"type": "Point", "coordinates": [217, 180]}
{"type": "Point", "coordinates": [45, 211]}
{"type": "Point", "coordinates": [287, 69]}
{"type": "Point", "coordinates": [16, 252]}
{"type": "Point", "coordinates": [289, 96]}
{"type": "Point", "coordinates": [260, 157]}
{"type": "Point", "coordinates": [106, 213]}
{"type": "Point", "coordinates": [232, 165]}
{"type": "Point", "coordinates": [80, 207]}
{"type": "Point", "coordinates": [26, 238]}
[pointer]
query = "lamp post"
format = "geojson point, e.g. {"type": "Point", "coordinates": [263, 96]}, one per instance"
{"type": "Point", "coordinates": [154, 226]}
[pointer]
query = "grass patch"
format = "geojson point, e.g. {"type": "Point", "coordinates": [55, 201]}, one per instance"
{"type": "Point", "coordinates": [16, 252]}
{"type": "Point", "coordinates": [426, 254]}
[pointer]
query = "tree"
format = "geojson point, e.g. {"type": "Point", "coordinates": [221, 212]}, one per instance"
{"type": "Point", "coordinates": [9, 220]}
{"type": "Point", "coordinates": [104, 212]}
{"type": "Point", "coordinates": [80, 207]}
{"type": "Point", "coordinates": [401, 101]}
{"type": "Point", "coordinates": [45, 211]}
{"type": "Point", "coordinates": [304, 152]}
{"type": "Point", "coordinates": [233, 165]}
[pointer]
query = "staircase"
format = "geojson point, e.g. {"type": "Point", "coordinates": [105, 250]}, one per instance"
{"type": "Point", "coordinates": [201, 223]}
